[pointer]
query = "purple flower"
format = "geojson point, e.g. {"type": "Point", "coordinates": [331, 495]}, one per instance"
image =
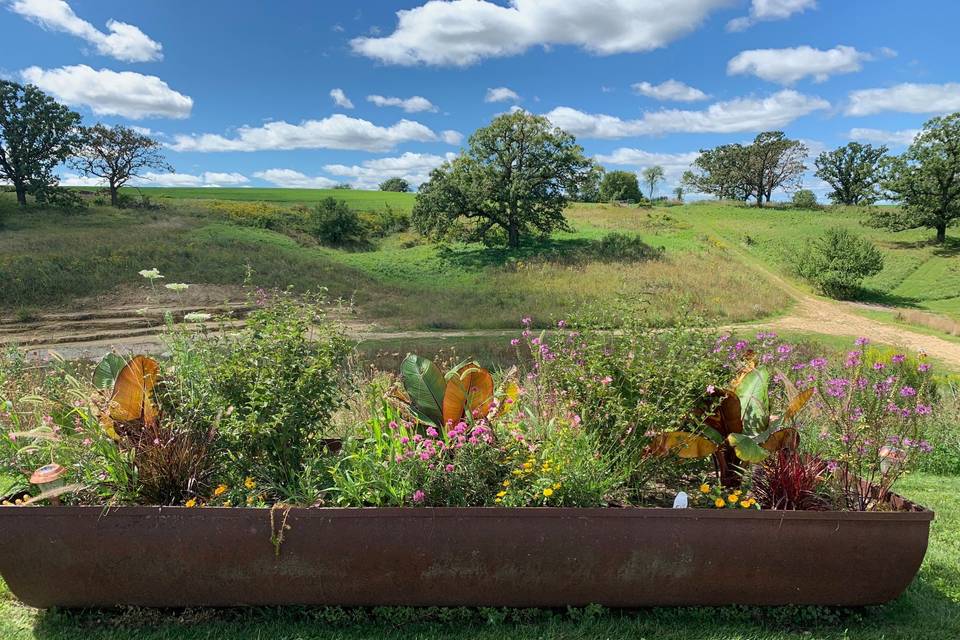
{"type": "Point", "coordinates": [527, 320]}
{"type": "Point", "coordinates": [853, 358]}
{"type": "Point", "coordinates": [861, 341]}
{"type": "Point", "coordinates": [515, 342]}
{"type": "Point", "coordinates": [800, 366]}
{"type": "Point", "coordinates": [448, 468]}
{"type": "Point", "coordinates": [818, 363]}
{"type": "Point", "coordinates": [908, 392]}
{"type": "Point", "coordinates": [784, 349]}
{"type": "Point", "coordinates": [923, 410]}
{"type": "Point", "coordinates": [879, 366]}
{"type": "Point", "coordinates": [832, 466]}
{"type": "Point", "coordinates": [433, 433]}
{"type": "Point", "coordinates": [837, 387]}
{"type": "Point", "coordinates": [561, 324]}
{"type": "Point", "coordinates": [922, 367]}
{"type": "Point", "coordinates": [740, 345]}
{"type": "Point", "coordinates": [898, 358]}
{"type": "Point", "coordinates": [925, 446]}
{"type": "Point", "coordinates": [419, 496]}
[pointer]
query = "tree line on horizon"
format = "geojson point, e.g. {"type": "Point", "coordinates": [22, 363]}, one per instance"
{"type": "Point", "coordinates": [518, 174]}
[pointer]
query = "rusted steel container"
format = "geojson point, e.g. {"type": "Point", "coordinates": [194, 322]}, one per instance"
{"type": "Point", "coordinates": [534, 557]}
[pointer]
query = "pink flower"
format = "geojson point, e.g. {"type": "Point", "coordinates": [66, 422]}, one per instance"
{"type": "Point", "coordinates": [433, 433]}
{"type": "Point", "coordinates": [87, 442]}
{"type": "Point", "coordinates": [898, 358]}
{"type": "Point", "coordinates": [861, 341]}
{"type": "Point", "coordinates": [606, 380]}
{"type": "Point", "coordinates": [448, 468]}
{"type": "Point", "coordinates": [419, 496]}
{"type": "Point", "coordinates": [527, 320]}
{"type": "Point", "coordinates": [922, 367]}
{"type": "Point", "coordinates": [515, 342]}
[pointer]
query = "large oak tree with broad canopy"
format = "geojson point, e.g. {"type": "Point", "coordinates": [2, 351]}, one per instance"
{"type": "Point", "coordinates": [37, 133]}
{"type": "Point", "coordinates": [513, 180]}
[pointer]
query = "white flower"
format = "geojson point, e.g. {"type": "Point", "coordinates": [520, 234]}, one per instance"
{"type": "Point", "coordinates": [177, 286]}
{"type": "Point", "coordinates": [151, 274]}
{"type": "Point", "coordinates": [196, 317]}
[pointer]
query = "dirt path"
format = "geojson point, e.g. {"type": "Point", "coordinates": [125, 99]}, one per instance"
{"type": "Point", "coordinates": [135, 329]}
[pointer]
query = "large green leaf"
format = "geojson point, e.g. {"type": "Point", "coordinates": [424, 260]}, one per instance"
{"type": "Point", "coordinates": [755, 399]}
{"type": "Point", "coordinates": [746, 449]}
{"type": "Point", "coordinates": [107, 370]}
{"type": "Point", "coordinates": [424, 383]}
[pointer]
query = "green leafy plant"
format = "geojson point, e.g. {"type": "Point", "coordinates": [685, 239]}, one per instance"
{"type": "Point", "coordinates": [741, 429]}
{"type": "Point", "coordinates": [439, 399]}
{"type": "Point", "coordinates": [838, 261]}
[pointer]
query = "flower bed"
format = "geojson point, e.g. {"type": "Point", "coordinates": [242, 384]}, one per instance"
{"type": "Point", "coordinates": [490, 487]}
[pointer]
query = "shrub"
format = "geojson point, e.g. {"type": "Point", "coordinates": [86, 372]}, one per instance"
{"type": "Point", "coordinates": [335, 224]}
{"type": "Point", "coordinates": [805, 199]}
{"type": "Point", "coordinates": [625, 247]}
{"type": "Point", "coordinates": [838, 261]}
{"type": "Point", "coordinates": [619, 186]}
{"type": "Point", "coordinates": [272, 387]}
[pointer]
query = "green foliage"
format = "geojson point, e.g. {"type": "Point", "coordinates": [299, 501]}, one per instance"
{"type": "Point", "coordinates": [271, 388]}
{"type": "Point", "coordinates": [395, 184]}
{"type": "Point", "coordinates": [838, 261]}
{"type": "Point", "coordinates": [804, 199]}
{"type": "Point", "coordinates": [335, 224]}
{"type": "Point", "coordinates": [854, 171]}
{"type": "Point", "coordinates": [624, 247]}
{"type": "Point", "coordinates": [36, 134]}
{"type": "Point", "coordinates": [620, 186]}
{"type": "Point", "coordinates": [514, 177]}
{"type": "Point", "coordinates": [926, 178]}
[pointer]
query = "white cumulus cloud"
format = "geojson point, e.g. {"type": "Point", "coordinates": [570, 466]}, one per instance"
{"type": "Point", "coordinates": [334, 132]}
{"type": "Point", "coordinates": [290, 179]}
{"type": "Point", "coordinates": [340, 98]}
{"type": "Point", "coordinates": [764, 10]}
{"type": "Point", "coordinates": [907, 97]}
{"type": "Point", "coordinates": [731, 116]}
{"type": "Point", "coordinates": [501, 94]}
{"type": "Point", "coordinates": [670, 90]}
{"type": "Point", "coordinates": [410, 105]}
{"type": "Point", "coordinates": [124, 41]}
{"type": "Point", "coordinates": [121, 93]}
{"type": "Point", "coordinates": [463, 32]}
{"type": "Point", "coordinates": [413, 167]}
{"type": "Point", "coordinates": [903, 137]}
{"type": "Point", "coordinates": [786, 66]}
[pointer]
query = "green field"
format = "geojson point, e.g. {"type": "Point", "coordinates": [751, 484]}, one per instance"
{"type": "Point", "coordinates": [365, 200]}
{"type": "Point", "coordinates": [930, 610]}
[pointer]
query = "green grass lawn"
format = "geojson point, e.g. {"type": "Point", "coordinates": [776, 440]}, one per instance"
{"type": "Point", "coordinates": [930, 610]}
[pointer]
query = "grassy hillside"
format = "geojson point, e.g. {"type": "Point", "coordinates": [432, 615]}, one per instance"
{"type": "Point", "coordinates": [50, 259]}
{"type": "Point", "coordinates": [917, 272]}
{"type": "Point", "coordinates": [362, 200]}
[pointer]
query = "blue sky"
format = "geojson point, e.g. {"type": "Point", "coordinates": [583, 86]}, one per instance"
{"type": "Point", "coordinates": [314, 93]}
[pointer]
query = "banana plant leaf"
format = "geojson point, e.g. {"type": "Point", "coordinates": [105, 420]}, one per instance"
{"type": "Point", "coordinates": [133, 391]}
{"type": "Point", "coordinates": [753, 392]}
{"type": "Point", "coordinates": [683, 445]}
{"type": "Point", "coordinates": [746, 449]}
{"type": "Point", "coordinates": [108, 370]}
{"type": "Point", "coordinates": [728, 417]}
{"type": "Point", "coordinates": [425, 385]}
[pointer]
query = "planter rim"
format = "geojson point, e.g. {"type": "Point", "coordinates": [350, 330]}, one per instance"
{"type": "Point", "coordinates": [919, 514]}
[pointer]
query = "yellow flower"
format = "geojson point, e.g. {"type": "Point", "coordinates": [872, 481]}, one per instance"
{"type": "Point", "coordinates": [527, 465]}
{"type": "Point", "coordinates": [249, 499]}
{"type": "Point", "coordinates": [498, 500]}
{"type": "Point", "coordinates": [719, 503]}
{"type": "Point", "coordinates": [517, 472]}
{"type": "Point", "coordinates": [556, 485]}
{"type": "Point", "coordinates": [732, 497]}
{"type": "Point", "coordinates": [506, 483]}
{"type": "Point", "coordinates": [249, 483]}
{"type": "Point", "coordinates": [704, 488]}
{"type": "Point", "coordinates": [501, 494]}
{"type": "Point", "coordinates": [227, 503]}
{"type": "Point", "coordinates": [220, 490]}
{"type": "Point", "coordinates": [189, 504]}
{"type": "Point", "coordinates": [745, 504]}
{"type": "Point", "coordinates": [548, 492]}
{"type": "Point", "coordinates": [752, 501]}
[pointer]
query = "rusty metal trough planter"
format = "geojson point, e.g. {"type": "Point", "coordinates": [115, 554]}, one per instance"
{"type": "Point", "coordinates": [535, 557]}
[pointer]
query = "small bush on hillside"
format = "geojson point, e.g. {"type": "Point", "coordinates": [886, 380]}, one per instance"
{"type": "Point", "coordinates": [805, 199]}
{"type": "Point", "coordinates": [838, 261]}
{"type": "Point", "coordinates": [625, 247]}
{"type": "Point", "coordinates": [335, 224]}
{"type": "Point", "coordinates": [383, 222]}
